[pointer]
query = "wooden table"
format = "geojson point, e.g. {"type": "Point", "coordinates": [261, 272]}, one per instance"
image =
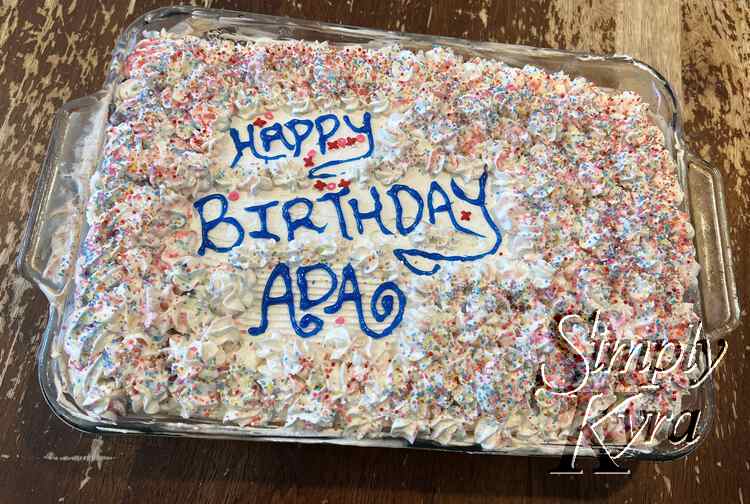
{"type": "Point", "coordinates": [55, 50]}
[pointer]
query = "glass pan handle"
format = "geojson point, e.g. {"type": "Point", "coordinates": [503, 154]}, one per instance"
{"type": "Point", "coordinates": [50, 242]}
{"type": "Point", "coordinates": [721, 308]}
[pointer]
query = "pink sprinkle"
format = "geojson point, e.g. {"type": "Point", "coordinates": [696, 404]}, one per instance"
{"type": "Point", "coordinates": [331, 186]}
{"type": "Point", "coordinates": [268, 115]}
{"type": "Point", "coordinates": [341, 142]}
{"type": "Point", "coordinates": [360, 138]}
{"type": "Point", "coordinates": [234, 196]}
{"type": "Point", "coordinates": [311, 153]}
{"type": "Point", "coordinates": [340, 320]}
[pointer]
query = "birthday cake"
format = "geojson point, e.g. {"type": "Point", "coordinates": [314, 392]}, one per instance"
{"type": "Point", "coordinates": [370, 242]}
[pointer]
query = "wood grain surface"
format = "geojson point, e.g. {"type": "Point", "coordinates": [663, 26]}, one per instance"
{"type": "Point", "coordinates": [54, 50]}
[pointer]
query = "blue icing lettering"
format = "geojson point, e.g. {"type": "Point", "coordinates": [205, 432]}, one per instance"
{"type": "Point", "coordinates": [348, 277]}
{"type": "Point", "coordinates": [299, 138]}
{"type": "Point", "coordinates": [291, 135]}
{"type": "Point", "coordinates": [446, 207]}
{"type": "Point", "coordinates": [293, 224]}
{"type": "Point", "coordinates": [262, 211]}
{"type": "Point", "coordinates": [274, 133]}
{"type": "Point", "coordinates": [393, 192]}
{"type": "Point", "coordinates": [374, 214]}
{"type": "Point", "coordinates": [240, 146]}
{"type": "Point", "coordinates": [323, 135]}
{"type": "Point", "coordinates": [207, 226]}
{"type": "Point", "coordinates": [365, 129]}
{"type": "Point", "coordinates": [384, 299]}
{"type": "Point", "coordinates": [480, 201]}
{"type": "Point", "coordinates": [335, 198]}
{"type": "Point", "coordinates": [287, 298]}
{"type": "Point", "coordinates": [381, 303]}
{"type": "Point", "coordinates": [305, 303]}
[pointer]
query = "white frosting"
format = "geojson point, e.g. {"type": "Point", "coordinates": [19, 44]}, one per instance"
{"type": "Point", "coordinates": [161, 328]}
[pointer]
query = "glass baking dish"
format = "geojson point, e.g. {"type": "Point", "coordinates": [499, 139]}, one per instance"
{"type": "Point", "coordinates": [76, 141]}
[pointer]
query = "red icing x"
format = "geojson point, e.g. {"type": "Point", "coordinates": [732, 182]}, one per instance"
{"type": "Point", "coordinates": [320, 185]}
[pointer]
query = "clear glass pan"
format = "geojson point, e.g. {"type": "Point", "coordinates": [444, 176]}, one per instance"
{"type": "Point", "coordinates": [74, 149]}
